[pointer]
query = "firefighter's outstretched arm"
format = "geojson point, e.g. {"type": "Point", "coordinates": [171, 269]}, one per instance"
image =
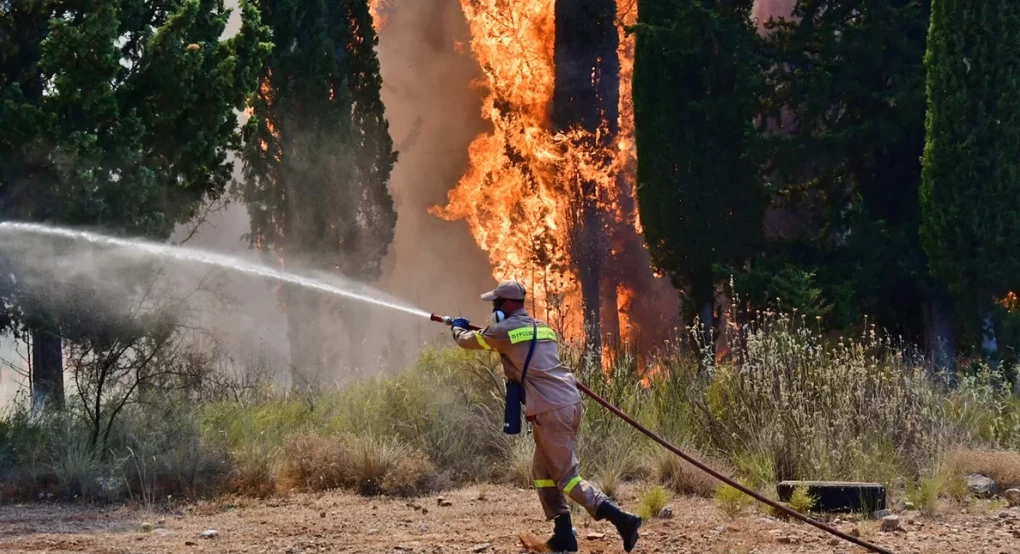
{"type": "Point", "coordinates": [474, 340]}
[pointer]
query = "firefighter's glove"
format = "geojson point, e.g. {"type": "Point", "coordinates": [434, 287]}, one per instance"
{"type": "Point", "coordinates": [461, 323]}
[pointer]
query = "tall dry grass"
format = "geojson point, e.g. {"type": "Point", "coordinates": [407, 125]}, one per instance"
{"type": "Point", "coordinates": [784, 403]}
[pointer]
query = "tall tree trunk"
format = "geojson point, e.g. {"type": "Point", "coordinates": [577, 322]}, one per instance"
{"type": "Point", "coordinates": [47, 370]}
{"type": "Point", "coordinates": [938, 327]}
{"type": "Point", "coordinates": [586, 96]}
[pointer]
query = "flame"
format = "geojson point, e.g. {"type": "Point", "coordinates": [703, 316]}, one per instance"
{"type": "Point", "coordinates": [515, 197]}
{"type": "Point", "coordinates": [375, 9]}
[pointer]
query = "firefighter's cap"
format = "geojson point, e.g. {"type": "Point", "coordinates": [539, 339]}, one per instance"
{"type": "Point", "coordinates": [506, 290]}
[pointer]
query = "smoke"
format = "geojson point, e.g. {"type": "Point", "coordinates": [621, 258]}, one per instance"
{"type": "Point", "coordinates": [434, 114]}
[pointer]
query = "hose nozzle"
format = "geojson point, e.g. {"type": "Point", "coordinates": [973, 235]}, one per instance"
{"type": "Point", "coordinates": [444, 319]}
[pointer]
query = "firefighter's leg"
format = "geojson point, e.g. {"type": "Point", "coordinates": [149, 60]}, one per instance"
{"type": "Point", "coordinates": [551, 497]}
{"type": "Point", "coordinates": [556, 436]}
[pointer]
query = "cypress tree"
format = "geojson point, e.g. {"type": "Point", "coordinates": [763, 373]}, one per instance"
{"type": "Point", "coordinates": [317, 162]}
{"type": "Point", "coordinates": [970, 197]}
{"type": "Point", "coordinates": [848, 91]}
{"type": "Point", "coordinates": [696, 86]}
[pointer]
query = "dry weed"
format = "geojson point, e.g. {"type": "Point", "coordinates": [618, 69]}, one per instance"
{"type": "Point", "coordinates": [1001, 466]}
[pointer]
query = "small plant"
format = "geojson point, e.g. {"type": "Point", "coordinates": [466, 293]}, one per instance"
{"type": "Point", "coordinates": [731, 500]}
{"type": "Point", "coordinates": [653, 501]}
{"type": "Point", "coordinates": [801, 500]}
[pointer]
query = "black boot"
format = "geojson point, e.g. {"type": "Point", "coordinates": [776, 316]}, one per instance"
{"type": "Point", "coordinates": [626, 524]}
{"type": "Point", "coordinates": [563, 539]}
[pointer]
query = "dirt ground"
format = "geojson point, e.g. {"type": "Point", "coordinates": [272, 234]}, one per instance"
{"type": "Point", "coordinates": [483, 519]}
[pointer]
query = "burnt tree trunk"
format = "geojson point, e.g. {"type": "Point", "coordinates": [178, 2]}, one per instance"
{"type": "Point", "coordinates": [47, 371]}
{"type": "Point", "coordinates": [586, 97]}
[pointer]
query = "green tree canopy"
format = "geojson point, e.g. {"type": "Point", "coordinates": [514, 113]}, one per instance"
{"type": "Point", "coordinates": [696, 86]}
{"type": "Point", "coordinates": [116, 113]}
{"type": "Point", "coordinates": [319, 157]}
{"type": "Point", "coordinates": [970, 197]}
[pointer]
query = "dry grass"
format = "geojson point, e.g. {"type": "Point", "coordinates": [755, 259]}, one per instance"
{"type": "Point", "coordinates": [317, 462]}
{"type": "Point", "coordinates": [1001, 466]}
{"type": "Point", "coordinates": [254, 472]}
{"type": "Point", "coordinates": [682, 477]}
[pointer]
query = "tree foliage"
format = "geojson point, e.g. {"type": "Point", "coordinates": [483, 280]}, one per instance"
{"type": "Point", "coordinates": [846, 108]}
{"type": "Point", "coordinates": [696, 87]}
{"type": "Point", "coordinates": [971, 192]}
{"type": "Point", "coordinates": [319, 154]}
{"type": "Point", "coordinates": [116, 113]}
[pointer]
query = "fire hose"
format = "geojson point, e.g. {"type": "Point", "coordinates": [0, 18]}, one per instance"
{"type": "Point", "coordinates": [693, 461]}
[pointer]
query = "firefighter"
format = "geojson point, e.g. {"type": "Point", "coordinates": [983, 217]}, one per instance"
{"type": "Point", "coordinates": [552, 406]}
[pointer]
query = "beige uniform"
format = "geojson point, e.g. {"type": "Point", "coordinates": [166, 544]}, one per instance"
{"type": "Point", "coordinates": [552, 405]}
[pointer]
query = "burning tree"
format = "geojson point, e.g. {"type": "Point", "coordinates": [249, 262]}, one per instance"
{"type": "Point", "coordinates": [549, 193]}
{"type": "Point", "coordinates": [318, 159]}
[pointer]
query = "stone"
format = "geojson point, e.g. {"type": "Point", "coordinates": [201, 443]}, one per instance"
{"type": "Point", "coordinates": [879, 514]}
{"type": "Point", "coordinates": [209, 534]}
{"type": "Point", "coordinates": [981, 486]}
{"type": "Point", "coordinates": [443, 502]}
{"type": "Point", "coordinates": [595, 536]}
{"type": "Point", "coordinates": [890, 523]}
{"type": "Point", "coordinates": [908, 505]}
{"type": "Point", "coordinates": [372, 531]}
{"type": "Point", "coordinates": [788, 539]}
{"type": "Point", "coordinates": [189, 543]}
{"type": "Point", "coordinates": [1012, 496]}
{"type": "Point", "coordinates": [481, 547]}
{"type": "Point", "coordinates": [665, 513]}
{"type": "Point", "coordinates": [322, 514]}
{"type": "Point", "coordinates": [146, 527]}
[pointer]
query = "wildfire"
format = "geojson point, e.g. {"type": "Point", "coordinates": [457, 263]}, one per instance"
{"type": "Point", "coordinates": [514, 196]}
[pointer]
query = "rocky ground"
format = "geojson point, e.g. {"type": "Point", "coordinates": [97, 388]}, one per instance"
{"type": "Point", "coordinates": [482, 519]}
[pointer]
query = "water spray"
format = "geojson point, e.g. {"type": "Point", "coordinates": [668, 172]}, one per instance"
{"type": "Point", "coordinates": [194, 255]}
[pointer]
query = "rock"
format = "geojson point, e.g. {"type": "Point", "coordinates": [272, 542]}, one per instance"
{"type": "Point", "coordinates": [720, 529]}
{"type": "Point", "coordinates": [879, 514]}
{"type": "Point", "coordinates": [189, 543]}
{"type": "Point", "coordinates": [146, 527]}
{"type": "Point", "coordinates": [855, 532]}
{"type": "Point", "coordinates": [890, 523]}
{"type": "Point", "coordinates": [595, 536]}
{"type": "Point", "coordinates": [665, 513]}
{"type": "Point", "coordinates": [788, 539]}
{"type": "Point", "coordinates": [1013, 497]}
{"type": "Point", "coordinates": [481, 547]}
{"type": "Point", "coordinates": [908, 505]}
{"type": "Point", "coordinates": [372, 531]}
{"type": "Point", "coordinates": [443, 502]}
{"type": "Point", "coordinates": [981, 486]}
{"type": "Point", "coordinates": [322, 514]}
{"type": "Point", "coordinates": [209, 534]}
{"type": "Point", "coordinates": [834, 542]}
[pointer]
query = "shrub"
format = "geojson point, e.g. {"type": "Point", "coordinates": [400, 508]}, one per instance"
{"type": "Point", "coordinates": [731, 501]}
{"type": "Point", "coordinates": [801, 500]}
{"type": "Point", "coordinates": [317, 462]}
{"type": "Point", "coordinates": [653, 500]}
{"type": "Point", "coordinates": [681, 476]}
{"type": "Point", "coordinates": [254, 471]}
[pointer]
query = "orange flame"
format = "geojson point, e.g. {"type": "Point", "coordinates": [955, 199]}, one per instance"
{"type": "Point", "coordinates": [514, 198]}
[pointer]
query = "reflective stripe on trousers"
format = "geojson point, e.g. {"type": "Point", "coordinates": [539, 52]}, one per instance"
{"type": "Point", "coordinates": [555, 467]}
